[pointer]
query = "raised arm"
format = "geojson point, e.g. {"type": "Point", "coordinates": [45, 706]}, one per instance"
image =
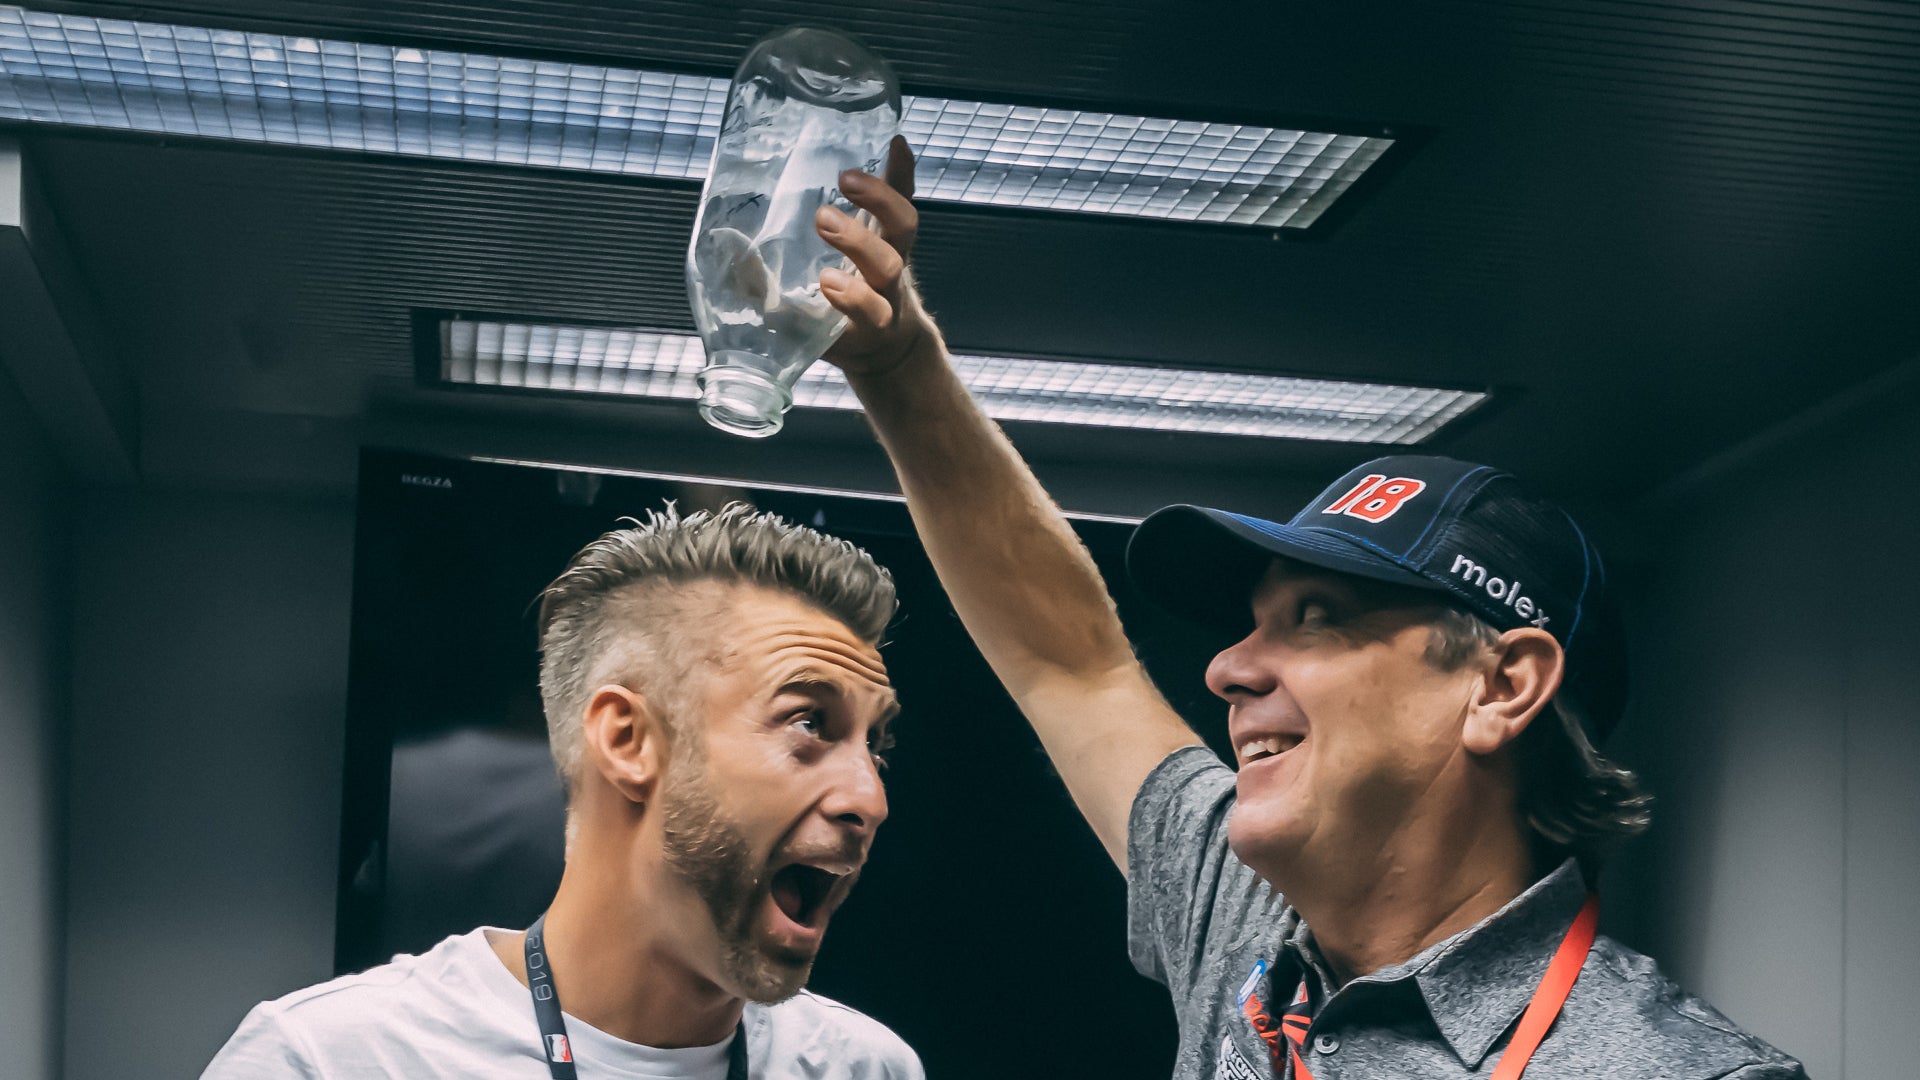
{"type": "Point", "coordinates": [1022, 582]}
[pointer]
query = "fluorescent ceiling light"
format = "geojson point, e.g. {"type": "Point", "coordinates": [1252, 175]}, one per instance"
{"type": "Point", "coordinates": [337, 95]}
{"type": "Point", "coordinates": [646, 363]}
{"type": "Point", "coordinates": [757, 485]}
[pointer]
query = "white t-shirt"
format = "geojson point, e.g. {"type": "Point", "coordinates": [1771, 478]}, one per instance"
{"type": "Point", "coordinates": [456, 1011]}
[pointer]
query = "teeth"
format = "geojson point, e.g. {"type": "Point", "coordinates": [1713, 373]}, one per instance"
{"type": "Point", "coordinates": [1255, 749]}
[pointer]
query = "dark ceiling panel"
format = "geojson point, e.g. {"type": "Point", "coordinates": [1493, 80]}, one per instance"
{"type": "Point", "coordinates": [1656, 227]}
{"type": "Point", "coordinates": [1049, 49]}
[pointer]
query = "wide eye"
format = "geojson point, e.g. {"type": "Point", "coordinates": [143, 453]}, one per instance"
{"type": "Point", "coordinates": [811, 722]}
{"type": "Point", "coordinates": [878, 743]}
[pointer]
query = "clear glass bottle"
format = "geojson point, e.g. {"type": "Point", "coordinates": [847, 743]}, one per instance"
{"type": "Point", "coordinates": [805, 105]}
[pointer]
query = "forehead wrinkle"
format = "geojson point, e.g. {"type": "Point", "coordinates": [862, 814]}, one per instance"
{"type": "Point", "coordinates": [864, 658]}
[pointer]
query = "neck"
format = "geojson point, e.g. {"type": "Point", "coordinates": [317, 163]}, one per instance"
{"type": "Point", "coordinates": [617, 962]}
{"type": "Point", "coordinates": [1422, 886]}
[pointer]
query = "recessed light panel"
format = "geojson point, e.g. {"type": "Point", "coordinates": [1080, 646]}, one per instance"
{"type": "Point", "coordinates": [1134, 166]}
{"type": "Point", "coordinates": [312, 92]}
{"type": "Point", "coordinates": [646, 363]}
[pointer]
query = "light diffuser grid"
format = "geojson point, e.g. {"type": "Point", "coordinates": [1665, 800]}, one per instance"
{"type": "Point", "coordinates": [645, 363]}
{"type": "Point", "coordinates": [227, 84]}
{"type": "Point", "coordinates": [757, 485]}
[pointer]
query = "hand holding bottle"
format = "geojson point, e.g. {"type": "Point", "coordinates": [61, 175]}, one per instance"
{"type": "Point", "coordinates": [885, 320]}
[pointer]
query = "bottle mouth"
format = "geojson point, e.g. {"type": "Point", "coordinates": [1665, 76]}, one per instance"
{"type": "Point", "coordinates": [743, 401]}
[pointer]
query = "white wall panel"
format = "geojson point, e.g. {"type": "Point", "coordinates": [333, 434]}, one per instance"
{"type": "Point", "coordinates": [209, 702]}
{"type": "Point", "coordinates": [1778, 719]}
{"type": "Point", "coordinates": [31, 708]}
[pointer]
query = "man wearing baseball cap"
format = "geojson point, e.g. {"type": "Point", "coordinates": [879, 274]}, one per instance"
{"type": "Point", "coordinates": [1396, 882]}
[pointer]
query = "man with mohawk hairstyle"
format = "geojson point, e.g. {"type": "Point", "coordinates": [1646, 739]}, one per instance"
{"type": "Point", "coordinates": [716, 704]}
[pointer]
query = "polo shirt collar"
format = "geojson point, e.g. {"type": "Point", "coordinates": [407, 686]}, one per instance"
{"type": "Point", "coordinates": [1477, 983]}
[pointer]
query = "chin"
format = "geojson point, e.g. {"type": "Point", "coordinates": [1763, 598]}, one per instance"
{"type": "Point", "coordinates": [764, 972]}
{"type": "Point", "coordinates": [770, 980]}
{"type": "Point", "coordinates": [1266, 838]}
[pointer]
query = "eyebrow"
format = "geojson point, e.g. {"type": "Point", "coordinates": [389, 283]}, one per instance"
{"type": "Point", "coordinates": [816, 681]}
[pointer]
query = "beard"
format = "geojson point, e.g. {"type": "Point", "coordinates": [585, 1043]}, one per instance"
{"type": "Point", "coordinates": [710, 853]}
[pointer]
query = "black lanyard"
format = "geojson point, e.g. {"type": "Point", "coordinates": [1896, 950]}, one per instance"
{"type": "Point", "coordinates": [553, 1023]}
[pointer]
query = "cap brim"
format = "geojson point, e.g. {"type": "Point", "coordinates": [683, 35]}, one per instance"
{"type": "Point", "coordinates": [1202, 564]}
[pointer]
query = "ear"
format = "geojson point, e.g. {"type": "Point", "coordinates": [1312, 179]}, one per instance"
{"type": "Point", "coordinates": [1522, 671]}
{"type": "Point", "coordinates": [626, 740]}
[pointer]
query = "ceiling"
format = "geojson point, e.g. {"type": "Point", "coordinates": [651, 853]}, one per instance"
{"type": "Point", "coordinates": [1656, 230]}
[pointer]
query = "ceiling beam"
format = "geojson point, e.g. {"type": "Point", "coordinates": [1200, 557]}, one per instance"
{"type": "Point", "coordinates": [51, 341]}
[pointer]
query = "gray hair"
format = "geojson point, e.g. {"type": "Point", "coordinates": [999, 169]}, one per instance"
{"type": "Point", "coordinates": [1574, 799]}
{"type": "Point", "coordinates": [621, 610]}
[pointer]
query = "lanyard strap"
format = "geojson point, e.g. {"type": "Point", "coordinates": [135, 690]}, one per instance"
{"type": "Point", "coordinates": [1548, 999]}
{"type": "Point", "coordinates": [1294, 1024]}
{"type": "Point", "coordinates": [553, 1023]}
{"type": "Point", "coordinates": [1555, 985]}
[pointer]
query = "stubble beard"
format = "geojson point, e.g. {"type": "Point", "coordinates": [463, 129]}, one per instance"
{"type": "Point", "coordinates": [708, 852]}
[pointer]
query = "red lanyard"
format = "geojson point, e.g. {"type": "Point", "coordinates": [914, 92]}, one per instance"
{"type": "Point", "coordinates": [1541, 1012]}
{"type": "Point", "coordinates": [1555, 985]}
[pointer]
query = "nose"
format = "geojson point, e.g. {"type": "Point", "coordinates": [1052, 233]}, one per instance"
{"type": "Point", "coordinates": [1237, 673]}
{"type": "Point", "coordinates": [857, 799]}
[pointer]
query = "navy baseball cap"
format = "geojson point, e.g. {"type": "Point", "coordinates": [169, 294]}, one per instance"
{"type": "Point", "coordinates": [1468, 531]}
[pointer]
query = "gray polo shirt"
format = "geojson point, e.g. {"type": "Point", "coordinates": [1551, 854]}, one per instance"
{"type": "Point", "coordinates": [1209, 928]}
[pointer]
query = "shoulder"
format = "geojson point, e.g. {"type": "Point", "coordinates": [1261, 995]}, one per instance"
{"type": "Point", "coordinates": [817, 1031]}
{"type": "Point", "coordinates": [367, 997]}
{"type": "Point", "coordinates": [1178, 847]}
{"type": "Point", "coordinates": [1187, 894]}
{"type": "Point", "coordinates": [1192, 775]}
{"type": "Point", "coordinates": [1639, 1015]}
{"type": "Point", "coordinates": [1180, 810]}
{"type": "Point", "coordinates": [307, 1025]}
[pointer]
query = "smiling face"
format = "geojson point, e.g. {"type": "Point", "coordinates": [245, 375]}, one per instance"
{"type": "Point", "coordinates": [774, 794]}
{"type": "Point", "coordinates": [1343, 730]}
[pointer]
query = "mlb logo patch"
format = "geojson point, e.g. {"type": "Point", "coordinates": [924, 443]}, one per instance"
{"type": "Point", "coordinates": [557, 1048]}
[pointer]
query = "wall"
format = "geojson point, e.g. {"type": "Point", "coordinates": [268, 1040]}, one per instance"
{"type": "Point", "coordinates": [32, 705]}
{"type": "Point", "coordinates": [210, 661]}
{"type": "Point", "coordinates": [1778, 720]}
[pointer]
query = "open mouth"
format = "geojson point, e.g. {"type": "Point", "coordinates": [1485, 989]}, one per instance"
{"type": "Point", "coordinates": [1268, 747]}
{"type": "Point", "coordinates": [801, 892]}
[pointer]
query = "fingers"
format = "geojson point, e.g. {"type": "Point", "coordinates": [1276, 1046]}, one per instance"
{"type": "Point", "coordinates": [892, 210]}
{"type": "Point", "coordinates": [876, 259]}
{"type": "Point", "coordinates": [900, 166]}
{"type": "Point", "coordinates": [884, 317]}
{"type": "Point", "coordinates": [856, 299]}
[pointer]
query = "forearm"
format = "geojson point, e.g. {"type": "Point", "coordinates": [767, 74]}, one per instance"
{"type": "Point", "coordinates": [1024, 586]}
{"type": "Point", "coordinates": [1020, 579]}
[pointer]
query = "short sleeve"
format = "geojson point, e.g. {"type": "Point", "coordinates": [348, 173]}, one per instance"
{"type": "Point", "coordinates": [1177, 860]}
{"type": "Point", "coordinates": [262, 1049]}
